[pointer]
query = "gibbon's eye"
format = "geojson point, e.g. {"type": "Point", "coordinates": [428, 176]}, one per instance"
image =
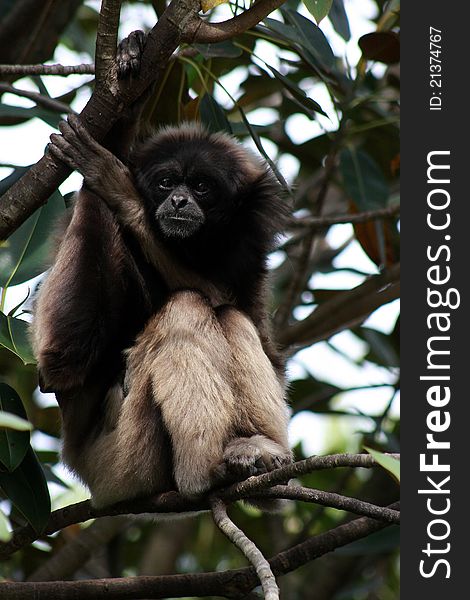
{"type": "Point", "coordinates": [201, 186]}
{"type": "Point", "coordinates": [167, 183]}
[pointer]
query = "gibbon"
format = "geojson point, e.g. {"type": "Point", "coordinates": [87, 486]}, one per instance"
{"type": "Point", "coordinates": [151, 326]}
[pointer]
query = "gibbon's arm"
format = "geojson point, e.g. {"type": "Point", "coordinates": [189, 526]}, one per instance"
{"type": "Point", "coordinates": [111, 180]}
{"type": "Point", "coordinates": [105, 175]}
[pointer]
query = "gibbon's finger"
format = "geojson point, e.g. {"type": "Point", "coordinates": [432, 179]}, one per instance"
{"type": "Point", "coordinates": [58, 153]}
{"type": "Point", "coordinates": [82, 133]}
{"type": "Point", "coordinates": [69, 136]}
{"type": "Point", "coordinates": [85, 139]}
{"type": "Point", "coordinates": [63, 144]}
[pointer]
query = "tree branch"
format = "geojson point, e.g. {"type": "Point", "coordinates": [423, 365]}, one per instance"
{"type": "Point", "coordinates": [30, 30]}
{"type": "Point", "coordinates": [172, 502]}
{"type": "Point", "coordinates": [39, 99]}
{"type": "Point", "coordinates": [248, 548]}
{"type": "Point", "coordinates": [245, 489]}
{"type": "Point", "coordinates": [84, 69]}
{"type": "Point", "coordinates": [347, 309]}
{"type": "Point", "coordinates": [332, 500]}
{"type": "Point", "coordinates": [322, 222]}
{"type": "Point", "coordinates": [106, 39]}
{"type": "Point", "coordinates": [103, 109]}
{"type": "Point", "coordinates": [229, 584]}
{"type": "Point", "coordinates": [69, 558]}
{"type": "Point", "coordinates": [208, 33]}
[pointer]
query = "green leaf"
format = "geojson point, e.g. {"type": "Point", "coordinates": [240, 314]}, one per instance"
{"type": "Point", "coordinates": [5, 529]}
{"type": "Point", "coordinates": [257, 141]}
{"type": "Point", "coordinates": [310, 394]}
{"type": "Point", "coordinates": [20, 112]}
{"type": "Point", "coordinates": [390, 464]}
{"type": "Point", "coordinates": [382, 350]}
{"type": "Point", "coordinates": [318, 8]}
{"type": "Point", "coordinates": [297, 92]}
{"type": "Point", "coordinates": [14, 336]}
{"type": "Point", "coordinates": [311, 38]}
{"type": "Point", "coordinates": [14, 441]}
{"type": "Point", "coordinates": [363, 180]}
{"type": "Point", "coordinates": [8, 181]}
{"type": "Point", "coordinates": [286, 32]}
{"type": "Point", "coordinates": [383, 46]}
{"type": "Point", "coordinates": [26, 487]}
{"type": "Point", "coordinates": [10, 421]}
{"type": "Point", "coordinates": [339, 20]}
{"type": "Point", "coordinates": [26, 252]}
{"type": "Point", "coordinates": [221, 49]}
{"type": "Point", "coordinates": [212, 115]}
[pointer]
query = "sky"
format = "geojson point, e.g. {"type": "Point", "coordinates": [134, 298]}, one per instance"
{"type": "Point", "coordinates": [24, 145]}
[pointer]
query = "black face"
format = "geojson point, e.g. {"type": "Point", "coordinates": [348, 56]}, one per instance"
{"type": "Point", "coordinates": [191, 184]}
{"type": "Point", "coordinates": [181, 198]}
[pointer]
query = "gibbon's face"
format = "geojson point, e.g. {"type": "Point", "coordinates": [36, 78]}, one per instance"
{"type": "Point", "coordinates": [192, 181]}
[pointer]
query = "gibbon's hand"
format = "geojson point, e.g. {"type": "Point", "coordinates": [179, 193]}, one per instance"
{"type": "Point", "coordinates": [104, 173]}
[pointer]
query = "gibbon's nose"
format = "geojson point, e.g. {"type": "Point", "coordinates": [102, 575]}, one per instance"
{"type": "Point", "coordinates": [179, 201]}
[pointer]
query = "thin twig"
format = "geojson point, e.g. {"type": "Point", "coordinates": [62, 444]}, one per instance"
{"type": "Point", "coordinates": [83, 69]}
{"type": "Point", "coordinates": [67, 559]}
{"type": "Point", "coordinates": [39, 99]}
{"type": "Point", "coordinates": [245, 489]}
{"type": "Point", "coordinates": [201, 31]}
{"type": "Point", "coordinates": [332, 500]}
{"type": "Point", "coordinates": [363, 217]}
{"type": "Point", "coordinates": [345, 310]}
{"type": "Point", "coordinates": [302, 275]}
{"type": "Point", "coordinates": [106, 38]}
{"type": "Point", "coordinates": [247, 547]}
{"type": "Point", "coordinates": [315, 515]}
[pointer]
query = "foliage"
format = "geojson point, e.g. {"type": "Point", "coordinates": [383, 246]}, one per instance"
{"type": "Point", "coordinates": [334, 127]}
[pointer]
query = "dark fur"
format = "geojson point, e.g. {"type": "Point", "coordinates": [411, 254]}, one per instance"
{"type": "Point", "coordinates": [244, 214]}
{"type": "Point", "coordinates": [176, 274]}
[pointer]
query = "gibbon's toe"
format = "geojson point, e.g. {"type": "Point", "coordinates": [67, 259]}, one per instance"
{"type": "Point", "coordinates": [129, 54]}
{"type": "Point", "coordinates": [243, 460]}
{"type": "Point", "coordinates": [247, 456]}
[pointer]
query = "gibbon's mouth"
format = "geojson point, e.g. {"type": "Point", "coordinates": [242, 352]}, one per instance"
{"type": "Point", "coordinates": [179, 226]}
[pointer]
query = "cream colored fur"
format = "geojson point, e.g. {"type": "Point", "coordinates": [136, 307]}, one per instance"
{"type": "Point", "coordinates": [218, 397]}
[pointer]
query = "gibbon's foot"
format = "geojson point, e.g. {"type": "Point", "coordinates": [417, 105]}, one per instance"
{"type": "Point", "coordinates": [247, 456]}
{"type": "Point", "coordinates": [79, 151]}
{"type": "Point", "coordinates": [129, 54]}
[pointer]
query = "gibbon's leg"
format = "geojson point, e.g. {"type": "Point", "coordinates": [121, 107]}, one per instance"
{"type": "Point", "coordinates": [185, 354]}
{"type": "Point", "coordinates": [131, 455]}
{"type": "Point", "coordinates": [262, 413]}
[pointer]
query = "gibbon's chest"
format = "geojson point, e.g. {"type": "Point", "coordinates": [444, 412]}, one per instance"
{"type": "Point", "coordinates": [179, 276]}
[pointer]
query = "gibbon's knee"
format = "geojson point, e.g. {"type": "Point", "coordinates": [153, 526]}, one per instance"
{"type": "Point", "coordinates": [261, 405]}
{"type": "Point", "coordinates": [185, 355]}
